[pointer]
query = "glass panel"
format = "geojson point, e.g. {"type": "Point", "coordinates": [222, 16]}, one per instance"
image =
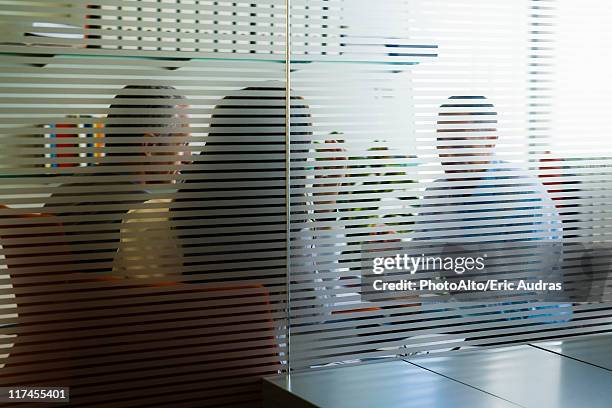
{"type": "Point", "coordinates": [429, 122]}
{"type": "Point", "coordinates": [143, 199]}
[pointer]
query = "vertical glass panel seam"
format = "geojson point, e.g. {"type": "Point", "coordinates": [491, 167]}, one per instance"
{"type": "Point", "coordinates": [288, 175]}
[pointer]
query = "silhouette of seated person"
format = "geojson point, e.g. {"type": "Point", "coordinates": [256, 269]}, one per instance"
{"type": "Point", "coordinates": [233, 201]}
{"type": "Point", "coordinates": [474, 175]}
{"type": "Point", "coordinates": [124, 201]}
{"type": "Point", "coordinates": [483, 199]}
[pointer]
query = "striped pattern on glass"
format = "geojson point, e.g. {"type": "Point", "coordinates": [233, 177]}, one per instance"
{"type": "Point", "coordinates": [143, 181]}
{"type": "Point", "coordinates": [142, 210]}
{"type": "Point", "coordinates": [440, 144]}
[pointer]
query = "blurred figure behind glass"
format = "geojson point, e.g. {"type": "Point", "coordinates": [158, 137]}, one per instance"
{"type": "Point", "coordinates": [108, 207]}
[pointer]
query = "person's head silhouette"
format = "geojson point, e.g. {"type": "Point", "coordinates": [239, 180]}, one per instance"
{"type": "Point", "coordinates": [165, 122]}
{"type": "Point", "coordinates": [466, 133]}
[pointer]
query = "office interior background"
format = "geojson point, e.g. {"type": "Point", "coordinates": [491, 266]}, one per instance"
{"type": "Point", "coordinates": [188, 186]}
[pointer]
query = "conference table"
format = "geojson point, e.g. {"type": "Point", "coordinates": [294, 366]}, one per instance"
{"type": "Point", "coordinates": [571, 373]}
